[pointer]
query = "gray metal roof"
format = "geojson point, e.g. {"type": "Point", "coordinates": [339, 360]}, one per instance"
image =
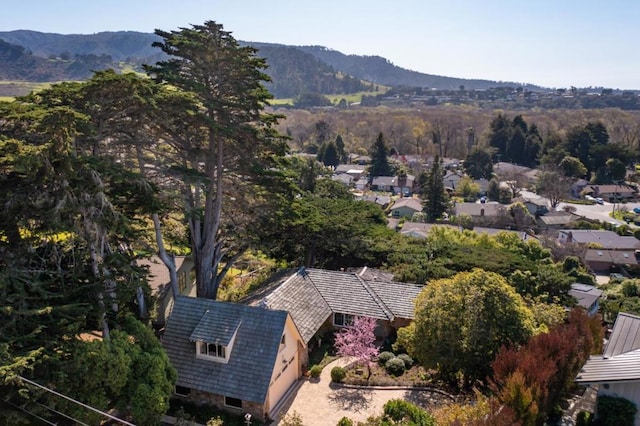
{"type": "Point", "coordinates": [247, 374]}
{"type": "Point", "coordinates": [621, 358]}
{"type": "Point", "coordinates": [625, 336]}
{"type": "Point", "coordinates": [607, 239]}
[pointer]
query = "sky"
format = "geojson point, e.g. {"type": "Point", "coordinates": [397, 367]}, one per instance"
{"type": "Point", "coordinates": [551, 43]}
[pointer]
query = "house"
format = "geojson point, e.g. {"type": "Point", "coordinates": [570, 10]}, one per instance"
{"type": "Point", "coordinates": [556, 220]}
{"type": "Point", "coordinates": [577, 187]}
{"type": "Point", "coordinates": [587, 296]}
{"type": "Point", "coordinates": [452, 178]}
{"type": "Point", "coordinates": [406, 207]}
{"type": "Point", "coordinates": [480, 210]}
{"type": "Point", "coordinates": [612, 193]}
{"type": "Point", "coordinates": [603, 260]}
{"type": "Point", "coordinates": [608, 240]}
{"type": "Point", "coordinates": [392, 184]}
{"type": "Point", "coordinates": [535, 207]}
{"type": "Point", "coordinates": [343, 178]}
{"type": "Point", "coordinates": [239, 358]}
{"type": "Point", "coordinates": [617, 371]}
{"type": "Point", "coordinates": [160, 283]}
{"type": "Point", "coordinates": [319, 300]}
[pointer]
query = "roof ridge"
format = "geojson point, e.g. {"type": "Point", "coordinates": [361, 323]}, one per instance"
{"type": "Point", "coordinates": [387, 311]}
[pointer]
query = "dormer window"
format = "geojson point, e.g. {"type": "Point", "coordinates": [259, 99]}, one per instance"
{"type": "Point", "coordinates": [214, 338]}
{"type": "Point", "coordinates": [213, 350]}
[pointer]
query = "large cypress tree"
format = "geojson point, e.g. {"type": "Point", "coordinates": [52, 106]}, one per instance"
{"type": "Point", "coordinates": [226, 143]}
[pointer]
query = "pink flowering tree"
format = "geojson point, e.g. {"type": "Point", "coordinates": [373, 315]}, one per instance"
{"type": "Point", "coordinates": [358, 341]}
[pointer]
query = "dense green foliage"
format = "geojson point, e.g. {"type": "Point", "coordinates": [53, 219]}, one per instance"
{"type": "Point", "coordinates": [461, 323]}
{"type": "Point", "coordinates": [615, 411]}
{"type": "Point", "coordinates": [407, 413]}
{"type": "Point", "coordinates": [380, 158]}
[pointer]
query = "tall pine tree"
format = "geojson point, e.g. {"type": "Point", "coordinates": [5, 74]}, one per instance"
{"type": "Point", "coordinates": [380, 158]}
{"type": "Point", "coordinates": [437, 199]}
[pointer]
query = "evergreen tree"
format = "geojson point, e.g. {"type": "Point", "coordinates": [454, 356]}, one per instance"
{"type": "Point", "coordinates": [380, 158]}
{"type": "Point", "coordinates": [342, 155]}
{"type": "Point", "coordinates": [226, 145]}
{"type": "Point", "coordinates": [436, 196]}
{"type": "Point", "coordinates": [330, 155]}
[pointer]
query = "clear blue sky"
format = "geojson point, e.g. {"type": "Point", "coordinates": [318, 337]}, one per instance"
{"type": "Point", "coordinates": [554, 43]}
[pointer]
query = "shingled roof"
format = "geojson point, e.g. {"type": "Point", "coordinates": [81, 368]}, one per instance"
{"type": "Point", "coordinates": [247, 373]}
{"type": "Point", "coordinates": [312, 295]}
{"type": "Point", "coordinates": [621, 359]}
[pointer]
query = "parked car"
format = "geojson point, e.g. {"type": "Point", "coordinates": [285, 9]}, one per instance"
{"type": "Point", "coordinates": [599, 200]}
{"type": "Point", "coordinates": [636, 210]}
{"type": "Point", "coordinates": [589, 198]}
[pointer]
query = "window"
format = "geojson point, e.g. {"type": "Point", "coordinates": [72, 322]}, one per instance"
{"type": "Point", "coordinates": [213, 350]}
{"type": "Point", "coordinates": [283, 341]}
{"type": "Point", "coordinates": [183, 391]}
{"type": "Point", "coordinates": [342, 320]}
{"type": "Point", "coordinates": [232, 402]}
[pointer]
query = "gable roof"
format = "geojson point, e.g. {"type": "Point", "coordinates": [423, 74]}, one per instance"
{"type": "Point", "coordinates": [607, 239]}
{"type": "Point", "coordinates": [408, 202]}
{"type": "Point", "coordinates": [247, 374]}
{"type": "Point", "coordinates": [158, 277]}
{"type": "Point", "coordinates": [585, 294]}
{"type": "Point", "coordinates": [312, 295]}
{"type": "Point", "coordinates": [621, 358]}
{"type": "Point", "coordinates": [479, 209]}
{"type": "Point", "coordinates": [616, 257]}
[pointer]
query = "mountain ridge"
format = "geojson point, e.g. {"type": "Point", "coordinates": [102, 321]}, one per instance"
{"type": "Point", "coordinates": [295, 70]}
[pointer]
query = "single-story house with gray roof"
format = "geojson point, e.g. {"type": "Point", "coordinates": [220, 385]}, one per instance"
{"type": "Point", "coordinates": [239, 358]}
{"type": "Point", "coordinates": [319, 300]}
{"type": "Point", "coordinates": [587, 296]}
{"type": "Point", "coordinates": [617, 371]}
{"type": "Point", "coordinates": [406, 207]}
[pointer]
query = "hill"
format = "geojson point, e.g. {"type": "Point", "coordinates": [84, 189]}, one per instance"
{"type": "Point", "coordinates": [294, 70]}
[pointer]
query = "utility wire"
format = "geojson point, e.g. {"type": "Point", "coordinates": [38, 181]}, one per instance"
{"type": "Point", "coordinates": [77, 402]}
{"type": "Point", "coordinates": [62, 414]}
{"type": "Point", "coordinates": [30, 413]}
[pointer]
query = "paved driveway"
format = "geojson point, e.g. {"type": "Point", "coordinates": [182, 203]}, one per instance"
{"type": "Point", "coordinates": [320, 404]}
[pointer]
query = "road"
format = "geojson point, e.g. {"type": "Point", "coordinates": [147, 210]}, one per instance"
{"type": "Point", "coordinates": [592, 211]}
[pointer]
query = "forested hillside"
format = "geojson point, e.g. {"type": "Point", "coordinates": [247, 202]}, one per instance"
{"type": "Point", "coordinates": [294, 70]}
{"type": "Point", "coordinates": [379, 70]}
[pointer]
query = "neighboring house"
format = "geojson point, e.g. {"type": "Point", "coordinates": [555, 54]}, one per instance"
{"type": "Point", "coordinates": [406, 207]}
{"type": "Point", "coordinates": [343, 178]}
{"type": "Point", "coordinates": [612, 193]}
{"type": "Point", "coordinates": [602, 239]}
{"type": "Point", "coordinates": [556, 220]}
{"type": "Point", "coordinates": [602, 260]}
{"type": "Point", "coordinates": [392, 184]}
{"type": "Point", "coordinates": [587, 296]}
{"type": "Point", "coordinates": [159, 281]}
{"type": "Point", "coordinates": [480, 210]}
{"type": "Point", "coordinates": [452, 178]}
{"type": "Point", "coordinates": [239, 358]}
{"type": "Point", "coordinates": [616, 372]}
{"type": "Point", "coordinates": [319, 300]}
{"type": "Point", "coordinates": [417, 229]}
{"type": "Point", "coordinates": [535, 207]}
{"type": "Point", "coordinates": [381, 200]}
{"type": "Point", "coordinates": [577, 188]}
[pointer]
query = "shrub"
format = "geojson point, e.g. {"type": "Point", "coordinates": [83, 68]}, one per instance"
{"type": "Point", "coordinates": [315, 371]}
{"type": "Point", "coordinates": [338, 374]}
{"type": "Point", "coordinates": [408, 361]}
{"type": "Point", "coordinates": [345, 421]}
{"type": "Point", "coordinates": [394, 366]}
{"type": "Point", "coordinates": [584, 418]}
{"type": "Point", "coordinates": [614, 411]}
{"type": "Point", "coordinates": [384, 357]}
{"type": "Point", "coordinates": [400, 410]}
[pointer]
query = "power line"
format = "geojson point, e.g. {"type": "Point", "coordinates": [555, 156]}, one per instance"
{"type": "Point", "coordinates": [30, 413]}
{"type": "Point", "coordinates": [62, 414]}
{"type": "Point", "coordinates": [77, 402]}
